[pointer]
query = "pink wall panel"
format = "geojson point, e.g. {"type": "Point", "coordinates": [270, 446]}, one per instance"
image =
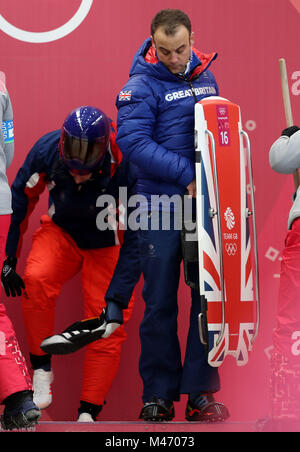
{"type": "Point", "coordinates": [89, 66]}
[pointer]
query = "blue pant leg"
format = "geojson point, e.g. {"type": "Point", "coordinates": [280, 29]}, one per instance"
{"type": "Point", "coordinates": [198, 375]}
{"type": "Point", "coordinates": [160, 360]}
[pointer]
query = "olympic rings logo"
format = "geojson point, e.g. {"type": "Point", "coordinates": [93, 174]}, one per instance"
{"type": "Point", "coordinates": [231, 248]}
{"type": "Point", "coordinates": [48, 36]}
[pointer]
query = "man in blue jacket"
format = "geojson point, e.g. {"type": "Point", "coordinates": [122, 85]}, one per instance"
{"type": "Point", "coordinates": [156, 133]}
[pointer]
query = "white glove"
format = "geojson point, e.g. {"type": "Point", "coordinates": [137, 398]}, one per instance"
{"type": "Point", "coordinates": [113, 318]}
{"type": "Point", "coordinates": [110, 329]}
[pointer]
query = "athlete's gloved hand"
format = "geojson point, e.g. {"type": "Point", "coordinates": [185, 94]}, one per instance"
{"type": "Point", "coordinates": [113, 318]}
{"type": "Point", "coordinates": [84, 332]}
{"type": "Point", "coordinates": [289, 131]}
{"type": "Point", "coordinates": [11, 281]}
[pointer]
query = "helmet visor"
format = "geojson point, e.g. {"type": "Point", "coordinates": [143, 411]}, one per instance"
{"type": "Point", "coordinates": [84, 152]}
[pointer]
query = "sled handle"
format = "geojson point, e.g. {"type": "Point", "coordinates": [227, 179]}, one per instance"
{"type": "Point", "coordinates": [201, 332]}
{"type": "Point", "coordinates": [213, 147]}
{"type": "Point", "coordinates": [253, 214]}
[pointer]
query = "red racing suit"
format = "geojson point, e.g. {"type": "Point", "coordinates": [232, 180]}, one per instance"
{"type": "Point", "coordinates": [14, 375]}
{"type": "Point", "coordinates": [69, 241]}
{"type": "Point", "coordinates": [284, 158]}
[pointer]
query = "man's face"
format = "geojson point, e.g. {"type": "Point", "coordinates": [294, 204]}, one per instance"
{"type": "Point", "coordinates": [173, 51]}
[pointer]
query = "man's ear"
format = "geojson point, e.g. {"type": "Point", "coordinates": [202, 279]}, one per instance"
{"type": "Point", "coordinates": [153, 43]}
{"type": "Point", "coordinates": [192, 39]}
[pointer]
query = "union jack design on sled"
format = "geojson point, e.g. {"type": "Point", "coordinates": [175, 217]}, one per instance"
{"type": "Point", "coordinates": [229, 288]}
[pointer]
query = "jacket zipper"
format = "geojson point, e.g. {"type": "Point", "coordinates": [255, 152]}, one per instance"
{"type": "Point", "coordinates": [189, 81]}
{"type": "Point", "coordinates": [193, 91]}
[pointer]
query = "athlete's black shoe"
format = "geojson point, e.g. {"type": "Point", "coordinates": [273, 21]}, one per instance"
{"type": "Point", "coordinates": [157, 410]}
{"type": "Point", "coordinates": [75, 337]}
{"type": "Point", "coordinates": [20, 411]}
{"type": "Point", "coordinates": [204, 408]}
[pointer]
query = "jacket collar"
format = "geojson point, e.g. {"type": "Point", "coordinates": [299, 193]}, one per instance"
{"type": "Point", "coordinates": [200, 61]}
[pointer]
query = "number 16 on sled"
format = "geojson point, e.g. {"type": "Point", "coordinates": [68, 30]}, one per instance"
{"type": "Point", "coordinates": [228, 264]}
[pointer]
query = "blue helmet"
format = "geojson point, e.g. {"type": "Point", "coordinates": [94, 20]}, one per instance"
{"type": "Point", "coordinates": [84, 139]}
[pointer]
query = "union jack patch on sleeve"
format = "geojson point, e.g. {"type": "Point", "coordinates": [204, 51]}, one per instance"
{"type": "Point", "coordinates": [125, 95]}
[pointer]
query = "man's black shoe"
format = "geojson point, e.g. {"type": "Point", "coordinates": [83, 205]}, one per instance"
{"type": "Point", "coordinates": [204, 408]}
{"type": "Point", "coordinates": [157, 410]}
{"type": "Point", "coordinates": [75, 337]}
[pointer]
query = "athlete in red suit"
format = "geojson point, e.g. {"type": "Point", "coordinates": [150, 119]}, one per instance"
{"type": "Point", "coordinates": [285, 158]}
{"type": "Point", "coordinates": [15, 383]}
{"type": "Point", "coordinates": [79, 164]}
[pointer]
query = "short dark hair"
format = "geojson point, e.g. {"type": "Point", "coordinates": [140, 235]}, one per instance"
{"type": "Point", "coordinates": [170, 20]}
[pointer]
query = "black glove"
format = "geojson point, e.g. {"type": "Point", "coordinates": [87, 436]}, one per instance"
{"type": "Point", "coordinates": [289, 131]}
{"type": "Point", "coordinates": [11, 281]}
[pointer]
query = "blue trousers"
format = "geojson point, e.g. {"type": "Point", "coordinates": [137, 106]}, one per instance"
{"type": "Point", "coordinates": [161, 367]}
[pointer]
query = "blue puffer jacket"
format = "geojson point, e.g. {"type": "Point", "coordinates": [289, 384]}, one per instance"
{"type": "Point", "coordinates": [156, 120]}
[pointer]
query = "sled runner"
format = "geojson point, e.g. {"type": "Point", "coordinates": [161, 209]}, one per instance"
{"type": "Point", "coordinates": [228, 263]}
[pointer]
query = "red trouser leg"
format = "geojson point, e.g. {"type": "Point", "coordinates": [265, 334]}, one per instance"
{"type": "Point", "coordinates": [14, 376]}
{"type": "Point", "coordinates": [103, 356]}
{"type": "Point", "coordinates": [288, 310]}
{"type": "Point", "coordinates": [52, 261]}
{"type": "Point", "coordinates": [285, 360]}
